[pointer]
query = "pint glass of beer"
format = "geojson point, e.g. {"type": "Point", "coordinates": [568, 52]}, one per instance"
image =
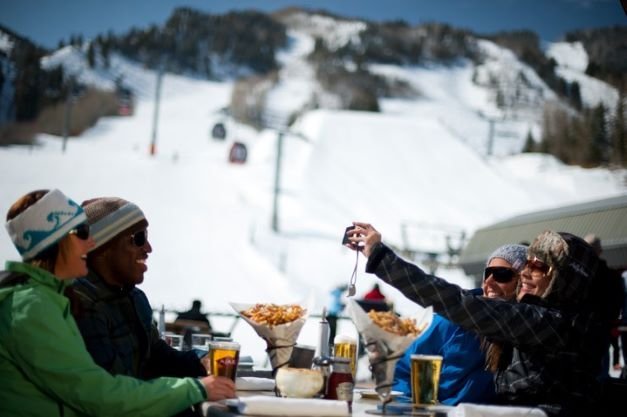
{"type": "Point", "coordinates": [425, 379]}
{"type": "Point", "coordinates": [223, 358]}
{"type": "Point", "coordinates": [345, 346]}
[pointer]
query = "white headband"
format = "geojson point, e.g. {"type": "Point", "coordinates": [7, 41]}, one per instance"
{"type": "Point", "coordinates": [44, 223]}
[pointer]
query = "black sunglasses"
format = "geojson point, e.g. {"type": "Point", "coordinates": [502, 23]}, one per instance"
{"type": "Point", "coordinates": [139, 238]}
{"type": "Point", "coordinates": [500, 274]}
{"type": "Point", "coordinates": [81, 231]}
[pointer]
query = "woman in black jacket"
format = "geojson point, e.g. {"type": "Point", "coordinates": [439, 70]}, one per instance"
{"type": "Point", "coordinates": [552, 340]}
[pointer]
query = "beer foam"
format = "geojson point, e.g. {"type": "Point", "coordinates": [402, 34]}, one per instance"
{"type": "Point", "coordinates": [344, 338]}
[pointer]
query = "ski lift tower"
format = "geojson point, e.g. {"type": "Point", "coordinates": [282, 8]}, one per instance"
{"type": "Point", "coordinates": [155, 118]}
{"type": "Point", "coordinates": [491, 119]}
{"type": "Point", "coordinates": [279, 124]}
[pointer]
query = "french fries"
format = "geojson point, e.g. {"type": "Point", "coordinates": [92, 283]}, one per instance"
{"type": "Point", "coordinates": [273, 314]}
{"type": "Point", "coordinates": [391, 323]}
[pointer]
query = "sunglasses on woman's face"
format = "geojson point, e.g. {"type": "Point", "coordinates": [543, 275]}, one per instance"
{"type": "Point", "coordinates": [500, 274]}
{"type": "Point", "coordinates": [537, 265]}
{"type": "Point", "coordinates": [139, 238]}
{"type": "Point", "coordinates": [81, 231]}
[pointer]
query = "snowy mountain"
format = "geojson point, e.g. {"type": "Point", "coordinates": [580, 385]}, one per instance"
{"type": "Point", "coordinates": [572, 61]}
{"type": "Point", "coordinates": [418, 170]}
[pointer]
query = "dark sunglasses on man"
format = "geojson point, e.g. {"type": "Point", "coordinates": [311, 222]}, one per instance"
{"type": "Point", "coordinates": [139, 238]}
{"type": "Point", "coordinates": [500, 274]}
{"type": "Point", "coordinates": [81, 231]}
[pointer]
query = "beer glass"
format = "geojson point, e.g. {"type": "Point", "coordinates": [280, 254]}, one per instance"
{"type": "Point", "coordinates": [345, 346]}
{"type": "Point", "coordinates": [425, 379]}
{"type": "Point", "coordinates": [223, 358]}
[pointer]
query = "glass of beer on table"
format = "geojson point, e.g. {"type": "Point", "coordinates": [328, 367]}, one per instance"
{"type": "Point", "coordinates": [345, 346]}
{"type": "Point", "coordinates": [223, 358]}
{"type": "Point", "coordinates": [425, 379]}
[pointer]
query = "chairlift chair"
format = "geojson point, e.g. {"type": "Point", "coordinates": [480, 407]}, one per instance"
{"type": "Point", "coordinates": [218, 131]}
{"type": "Point", "coordinates": [238, 153]}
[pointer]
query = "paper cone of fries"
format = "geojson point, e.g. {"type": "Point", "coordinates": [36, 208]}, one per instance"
{"type": "Point", "coordinates": [384, 348]}
{"type": "Point", "coordinates": [280, 338]}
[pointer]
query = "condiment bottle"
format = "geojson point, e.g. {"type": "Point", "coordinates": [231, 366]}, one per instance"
{"type": "Point", "coordinates": [340, 383]}
{"type": "Point", "coordinates": [323, 335]}
{"type": "Point", "coordinates": [322, 360]}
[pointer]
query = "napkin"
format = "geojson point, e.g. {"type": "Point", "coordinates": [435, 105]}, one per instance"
{"type": "Point", "coordinates": [262, 405]}
{"type": "Point", "coordinates": [252, 383]}
{"type": "Point", "coordinates": [476, 410]}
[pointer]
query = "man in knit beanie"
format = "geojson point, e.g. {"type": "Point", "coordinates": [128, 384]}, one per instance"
{"type": "Point", "coordinates": [113, 315]}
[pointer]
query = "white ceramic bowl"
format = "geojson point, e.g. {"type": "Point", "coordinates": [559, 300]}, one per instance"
{"type": "Point", "coordinates": [298, 382]}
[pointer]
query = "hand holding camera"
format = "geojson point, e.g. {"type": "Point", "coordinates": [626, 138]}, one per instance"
{"type": "Point", "coordinates": [364, 237]}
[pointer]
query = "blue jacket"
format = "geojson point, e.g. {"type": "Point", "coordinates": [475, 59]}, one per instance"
{"type": "Point", "coordinates": [463, 378]}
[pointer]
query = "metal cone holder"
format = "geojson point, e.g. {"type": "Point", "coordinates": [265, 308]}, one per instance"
{"type": "Point", "coordinates": [382, 363]}
{"type": "Point", "coordinates": [384, 349]}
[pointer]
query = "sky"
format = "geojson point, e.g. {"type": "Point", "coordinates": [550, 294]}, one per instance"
{"type": "Point", "coordinates": [419, 165]}
{"type": "Point", "coordinates": [48, 21]}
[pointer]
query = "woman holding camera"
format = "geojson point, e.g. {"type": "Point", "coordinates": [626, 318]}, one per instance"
{"type": "Point", "coordinates": [552, 340]}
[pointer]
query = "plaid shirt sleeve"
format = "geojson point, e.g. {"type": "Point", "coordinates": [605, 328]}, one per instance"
{"type": "Point", "coordinates": [518, 323]}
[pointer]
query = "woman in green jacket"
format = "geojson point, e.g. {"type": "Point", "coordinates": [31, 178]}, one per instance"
{"type": "Point", "coordinates": [45, 369]}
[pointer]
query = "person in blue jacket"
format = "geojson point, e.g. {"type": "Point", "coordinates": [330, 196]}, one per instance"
{"type": "Point", "coordinates": [463, 377]}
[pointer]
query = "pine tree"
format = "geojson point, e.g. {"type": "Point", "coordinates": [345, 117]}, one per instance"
{"type": "Point", "coordinates": [575, 95]}
{"type": "Point", "coordinates": [619, 133]}
{"type": "Point", "coordinates": [530, 144]}
{"type": "Point", "coordinates": [595, 149]}
{"type": "Point", "coordinates": [91, 58]}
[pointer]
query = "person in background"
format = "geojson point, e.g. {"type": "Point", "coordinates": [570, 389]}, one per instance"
{"type": "Point", "coordinates": [113, 315]}
{"type": "Point", "coordinates": [463, 377]}
{"type": "Point", "coordinates": [552, 340]}
{"type": "Point", "coordinates": [375, 300]}
{"type": "Point", "coordinates": [45, 369]}
{"type": "Point", "coordinates": [375, 294]}
{"type": "Point", "coordinates": [195, 314]}
{"type": "Point", "coordinates": [193, 321]}
{"type": "Point", "coordinates": [615, 299]}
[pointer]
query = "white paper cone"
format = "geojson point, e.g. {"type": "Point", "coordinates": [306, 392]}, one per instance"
{"type": "Point", "coordinates": [280, 339]}
{"type": "Point", "coordinates": [384, 348]}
